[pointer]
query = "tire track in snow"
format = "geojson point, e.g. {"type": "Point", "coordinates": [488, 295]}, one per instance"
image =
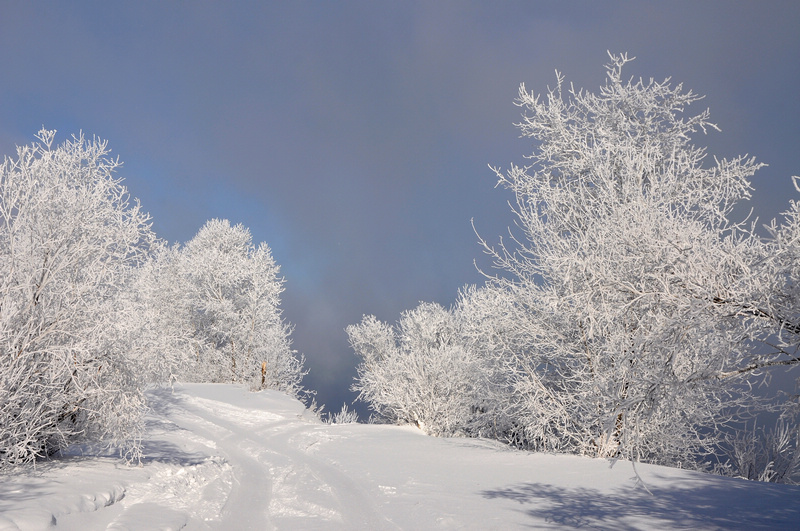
{"type": "Point", "coordinates": [357, 508]}
{"type": "Point", "coordinates": [251, 489]}
{"type": "Point", "coordinates": [277, 485]}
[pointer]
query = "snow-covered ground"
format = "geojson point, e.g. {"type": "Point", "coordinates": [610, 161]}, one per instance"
{"type": "Point", "coordinates": [220, 457]}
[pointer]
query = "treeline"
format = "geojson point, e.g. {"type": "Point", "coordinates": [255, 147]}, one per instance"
{"type": "Point", "coordinates": [94, 307]}
{"type": "Point", "coordinates": [633, 317]}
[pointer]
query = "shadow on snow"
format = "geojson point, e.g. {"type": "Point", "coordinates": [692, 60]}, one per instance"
{"type": "Point", "coordinates": [706, 503]}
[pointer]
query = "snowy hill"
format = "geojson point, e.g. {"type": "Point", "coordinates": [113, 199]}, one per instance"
{"type": "Point", "coordinates": [220, 457]}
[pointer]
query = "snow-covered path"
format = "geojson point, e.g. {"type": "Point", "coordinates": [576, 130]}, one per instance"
{"type": "Point", "coordinates": [220, 457]}
{"type": "Point", "coordinates": [276, 482]}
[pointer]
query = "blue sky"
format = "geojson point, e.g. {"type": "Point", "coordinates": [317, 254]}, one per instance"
{"type": "Point", "coordinates": [355, 137]}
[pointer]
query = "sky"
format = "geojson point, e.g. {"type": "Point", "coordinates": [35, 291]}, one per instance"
{"type": "Point", "coordinates": [355, 138]}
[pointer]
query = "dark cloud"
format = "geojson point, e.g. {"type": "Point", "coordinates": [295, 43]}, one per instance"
{"type": "Point", "coordinates": [354, 137]}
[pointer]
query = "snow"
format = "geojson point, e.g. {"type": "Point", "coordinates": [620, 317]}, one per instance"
{"type": "Point", "coordinates": [221, 457]}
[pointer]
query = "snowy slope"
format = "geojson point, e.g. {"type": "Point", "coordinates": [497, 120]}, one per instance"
{"type": "Point", "coordinates": [220, 457]}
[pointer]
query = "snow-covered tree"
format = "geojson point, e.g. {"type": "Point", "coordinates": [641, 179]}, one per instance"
{"type": "Point", "coordinates": [781, 295]}
{"type": "Point", "coordinates": [161, 340]}
{"type": "Point", "coordinates": [771, 455]}
{"type": "Point", "coordinates": [419, 373]}
{"type": "Point", "coordinates": [228, 300]}
{"type": "Point", "coordinates": [488, 324]}
{"type": "Point", "coordinates": [70, 239]}
{"type": "Point", "coordinates": [634, 288]}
